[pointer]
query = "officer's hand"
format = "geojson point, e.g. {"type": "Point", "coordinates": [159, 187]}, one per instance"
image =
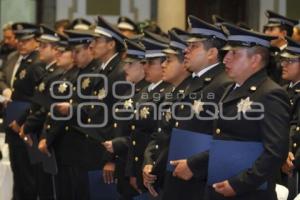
{"type": "Point", "coordinates": [182, 170]}
{"type": "Point", "coordinates": [21, 132]}
{"type": "Point", "coordinates": [25, 137]}
{"type": "Point", "coordinates": [224, 188]}
{"type": "Point", "coordinates": [108, 172]}
{"type": "Point", "coordinates": [63, 108]}
{"type": "Point", "coordinates": [7, 96]}
{"type": "Point", "coordinates": [152, 191]}
{"type": "Point", "coordinates": [108, 146]}
{"type": "Point", "coordinates": [7, 93]}
{"type": "Point", "coordinates": [28, 140]}
{"type": "Point", "coordinates": [288, 166]}
{"type": "Point", "coordinates": [133, 183]}
{"type": "Point", "coordinates": [14, 126]}
{"type": "Point", "coordinates": [148, 178]}
{"type": "Point", "coordinates": [43, 147]}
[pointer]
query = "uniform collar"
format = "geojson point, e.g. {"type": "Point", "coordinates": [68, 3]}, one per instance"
{"type": "Point", "coordinates": [103, 65]}
{"type": "Point", "coordinates": [291, 85]}
{"type": "Point", "coordinates": [203, 71]}
{"type": "Point", "coordinates": [152, 86]}
{"type": "Point", "coordinates": [50, 64]}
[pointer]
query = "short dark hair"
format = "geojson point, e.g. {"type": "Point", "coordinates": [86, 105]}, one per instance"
{"type": "Point", "coordinates": [119, 47]}
{"type": "Point", "coordinates": [263, 51]}
{"type": "Point", "coordinates": [180, 56]}
{"type": "Point", "coordinates": [214, 43]}
{"type": "Point", "coordinates": [288, 29]}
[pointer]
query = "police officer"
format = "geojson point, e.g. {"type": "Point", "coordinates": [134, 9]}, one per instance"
{"type": "Point", "coordinates": [47, 55]}
{"type": "Point", "coordinates": [291, 73]}
{"type": "Point", "coordinates": [245, 63]}
{"type": "Point", "coordinates": [25, 76]}
{"type": "Point", "coordinates": [34, 121]}
{"type": "Point", "coordinates": [278, 26]}
{"type": "Point", "coordinates": [203, 59]}
{"type": "Point", "coordinates": [60, 89]}
{"type": "Point", "coordinates": [134, 64]}
{"type": "Point", "coordinates": [151, 96]}
{"type": "Point", "coordinates": [175, 74]}
{"type": "Point", "coordinates": [74, 159]}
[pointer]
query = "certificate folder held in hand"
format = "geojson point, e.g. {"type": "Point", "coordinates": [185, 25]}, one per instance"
{"type": "Point", "coordinates": [99, 189]}
{"type": "Point", "coordinates": [185, 143]}
{"type": "Point", "coordinates": [15, 110]}
{"type": "Point", "coordinates": [228, 158]}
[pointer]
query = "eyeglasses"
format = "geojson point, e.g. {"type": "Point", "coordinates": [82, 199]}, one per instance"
{"type": "Point", "coordinates": [285, 61]}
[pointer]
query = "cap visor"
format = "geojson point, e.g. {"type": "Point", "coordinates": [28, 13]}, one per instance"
{"type": "Point", "coordinates": [289, 55]}
{"type": "Point", "coordinates": [195, 39]}
{"type": "Point", "coordinates": [25, 37]}
{"type": "Point", "coordinates": [170, 51]}
{"type": "Point", "coordinates": [131, 60]}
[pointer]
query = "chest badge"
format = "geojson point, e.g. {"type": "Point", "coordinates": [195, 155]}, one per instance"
{"type": "Point", "coordinates": [85, 83]}
{"type": "Point", "coordinates": [62, 87]}
{"type": "Point", "coordinates": [144, 112]}
{"type": "Point", "coordinates": [22, 74]}
{"type": "Point", "coordinates": [244, 105]}
{"type": "Point", "coordinates": [128, 104]}
{"type": "Point", "coordinates": [197, 106]}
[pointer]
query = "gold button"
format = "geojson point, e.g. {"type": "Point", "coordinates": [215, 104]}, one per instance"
{"type": "Point", "coordinates": [49, 114]}
{"type": "Point", "coordinates": [74, 88]}
{"type": "Point", "coordinates": [89, 120]}
{"type": "Point", "coordinates": [95, 92]}
{"type": "Point", "coordinates": [159, 130]}
{"type": "Point", "coordinates": [117, 110]}
{"type": "Point", "coordinates": [182, 106]}
{"type": "Point", "coordinates": [295, 144]}
{"type": "Point", "coordinates": [13, 89]}
{"type": "Point", "coordinates": [66, 128]}
{"type": "Point", "coordinates": [136, 159]}
{"type": "Point", "coordinates": [176, 124]}
{"type": "Point", "coordinates": [297, 128]}
{"type": "Point", "coordinates": [115, 125]}
{"type": "Point", "coordinates": [48, 126]}
{"type": "Point", "coordinates": [253, 88]}
{"type": "Point", "coordinates": [156, 146]}
{"type": "Point", "coordinates": [71, 101]}
{"type": "Point", "coordinates": [133, 127]}
{"type": "Point", "coordinates": [133, 143]}
{"type": "Point", "coordinates": [218, 131]}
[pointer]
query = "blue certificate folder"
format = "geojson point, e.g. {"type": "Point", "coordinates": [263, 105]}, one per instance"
{"type": "Point", "coordinates": [144, 196]}
{"type": "Point", "coordinates": [229, 158]}
{"type": "Point", "coordinates": [100, 190]}
{"type": "Point", "coordinates": [15, 110]}
{"type": "Point", "coordinates": [185, 143]}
